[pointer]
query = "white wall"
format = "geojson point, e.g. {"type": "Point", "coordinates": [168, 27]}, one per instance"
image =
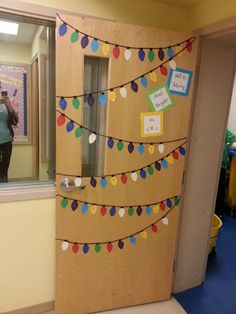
{"type": "Point", "coordinates": [232, 113]}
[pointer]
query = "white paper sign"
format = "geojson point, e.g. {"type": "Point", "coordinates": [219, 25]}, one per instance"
{"type": "Point", "coordinates": [179, 81]}
{"type": "Point", "coordinates": [151, 124]}
{"type": "Point", "coordinates": [160, 98]}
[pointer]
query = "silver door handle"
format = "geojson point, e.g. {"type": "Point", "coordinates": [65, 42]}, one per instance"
{"type": "Point", "coordinates": [68, 185]}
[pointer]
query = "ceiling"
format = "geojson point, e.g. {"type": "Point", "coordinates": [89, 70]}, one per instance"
{"type": "Point", "coordinates": [181, 3]}
{"type": "Point", "coordinates": [25, 34]}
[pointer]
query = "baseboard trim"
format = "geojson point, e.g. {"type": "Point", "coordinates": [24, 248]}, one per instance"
{"type": "Point", "coordinates": [35, 309]}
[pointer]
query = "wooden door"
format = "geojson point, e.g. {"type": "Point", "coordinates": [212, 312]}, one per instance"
{"type": "Point", "coordinates": [116, 239]}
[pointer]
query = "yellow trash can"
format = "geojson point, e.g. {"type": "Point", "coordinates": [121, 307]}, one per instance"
{"type": "Point", "coordinates": [216, 225]}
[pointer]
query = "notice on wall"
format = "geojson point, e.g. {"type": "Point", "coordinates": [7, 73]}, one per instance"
{"type": "Point", "coordinates": [14, 79]}
{"type": "Point", "coordinates": [151, 124]}
{"type": "Point", "coordinates": [179, 81]}
{"type": "Point", "coordinates": [160, 98]}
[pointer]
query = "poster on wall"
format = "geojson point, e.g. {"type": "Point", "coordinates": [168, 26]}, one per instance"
{"type": "Point", "coordinates": [160, 98]}
{"type": "Point", "coordinates": [179, 81]}
{"type": "Point", "coordinates": [14, 79]}
{"type": "Point", "coordinates": [151, 123]}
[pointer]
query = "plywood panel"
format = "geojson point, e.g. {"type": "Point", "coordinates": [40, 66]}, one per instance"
{"type": "Point", "coordinates": [139, 273]}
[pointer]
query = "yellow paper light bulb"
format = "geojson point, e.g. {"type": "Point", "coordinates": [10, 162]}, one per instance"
{"type": "Point", "coordinates": [144, 234]}
{"type": "Point", "coordinates": [113, 180]}
{"type": "Point", "coordinates": [178, 49]}
{"type": "Point", "coordinates": [170, 159]}
{"type": "Point", "coordinates": [105, 49]}
{"type": "Point", "coordinates": [93, 209]}
{"type": "Point", "coordinates": [112, 96]}
{"type": "Point", "coordinates": [153, 76]}
{"type": "Point", "coordinates": [155, 208]}
{"type": "Point", "coordinates": [151, 149]}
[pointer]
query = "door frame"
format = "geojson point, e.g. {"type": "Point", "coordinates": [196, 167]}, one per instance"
{"type": "Point", "coordinates": [190, 272]}
{"type": "Point", "coordinates": [225, 27]}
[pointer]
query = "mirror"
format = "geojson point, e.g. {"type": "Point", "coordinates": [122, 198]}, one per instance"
{"type": "Point", "coordinates": [27, 74]}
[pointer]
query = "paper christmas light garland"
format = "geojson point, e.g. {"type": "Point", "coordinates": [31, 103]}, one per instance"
{"type": "Point", "coordinates": [112, 210]}
{"type": "Point", "coordinates": [121, 241]}
{"type": "Point", "coordinates": [111, 92]}
{"type": "Point", "coordinates": [112, 141]}
{"type": "Point", "coordinates": [134, 174]}
{"type": "Point", "coordinates": [106, 47]}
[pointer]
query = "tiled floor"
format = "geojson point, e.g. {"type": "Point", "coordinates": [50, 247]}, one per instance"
{"type": "Point", "coordinates": [166, 307]}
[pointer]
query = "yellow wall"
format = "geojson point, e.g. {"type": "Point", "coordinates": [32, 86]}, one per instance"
{"type": "Point", "coordinates": [27, 233]}
{"type": "Point", "coordinates": [150, 13]}
{"type": "Point", "coordinates": [27, 253]}
{"type": "Point", "coordinates": [146, 12]}
{"type": "Point", "coordinates": [14, 53]}
{"type": "Point", "coordinates": [210, 12]}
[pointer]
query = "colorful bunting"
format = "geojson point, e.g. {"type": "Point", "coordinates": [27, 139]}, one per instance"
{"type": "Point", "coordinates": [134, 83]}
{"type": "Point", "coordinates": [121, 242]}
{"type": "Point", "coordinates": [120, 143]}
{"type": "Point", "coordinates": [96, 43]}
{"type": "Point", "coordinates": [149, 169]}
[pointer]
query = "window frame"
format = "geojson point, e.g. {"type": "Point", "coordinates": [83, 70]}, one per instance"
{"type": "Point", "coordinates": [20, 191]}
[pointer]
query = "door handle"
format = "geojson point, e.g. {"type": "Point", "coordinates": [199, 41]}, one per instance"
{"type": "Point", "coordinates": [68, 185]}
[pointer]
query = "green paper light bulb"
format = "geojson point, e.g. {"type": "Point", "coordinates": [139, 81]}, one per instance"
{"type": "Point", "coordinates": [120, 145]}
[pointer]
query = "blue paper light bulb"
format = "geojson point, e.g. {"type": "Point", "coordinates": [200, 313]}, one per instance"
{"type": "Point", "coordinates": [70, 126]}
{"type": "Point", "coordinates": [62, 29]}
{"type": "Point", "coordinates": [182, 151]}
{"type": "Point", "coordinates": [110, 142]}
{"type": "Point", "coordinates": [142, 173]}
{"type": "Point", "coordinates": [169, 203]}
{"type": "Point", "coordinates": [102, 99]}
{"type": "Point", "coordinates": [85, 248]}
{"type": "Point", "coordinates": [94, 45]}
{"type": "Point", "coordinates": [112, 211]}
{"type": "Point", "coordinates": [144, 81]}
{"type": "Point", "coordinates": [141, 54]}
{"type": "Point", "coordinates": [103, 182]}
{"type": "Point", "coordinates": [84, 208]}
{"type": "Point", "coordinates": [170, 53]}
{"type": "Point", "coordinates": [164, 164]}
{"type": "Point", "coordinates": [132, 239]}
{"type": "Point", "coordinates": [141, 148]}
{"type": "Point", "coordinates": [148, 210]}
{"type": "Point", "coordinates": [63, 103]}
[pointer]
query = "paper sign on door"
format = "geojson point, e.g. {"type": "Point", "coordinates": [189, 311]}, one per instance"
{"type": "Point", "coordinates": [179, 81]}
{"type": "Point", "coordinates": [160, 98]}
{"type": "Point", "coordinates": [151, 124]}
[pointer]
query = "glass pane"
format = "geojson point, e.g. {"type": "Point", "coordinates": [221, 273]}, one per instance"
{"type": "Point", "coordinates": [27, 73]}
{"type": "Point", "coordinates": [94, 118]}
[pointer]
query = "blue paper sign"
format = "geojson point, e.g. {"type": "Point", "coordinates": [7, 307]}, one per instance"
{"type": "Point", "coordinates": [179, 81]}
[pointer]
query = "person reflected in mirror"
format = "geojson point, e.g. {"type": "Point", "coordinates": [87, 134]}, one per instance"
{"type": "Point", "coordinates": [8, 118]}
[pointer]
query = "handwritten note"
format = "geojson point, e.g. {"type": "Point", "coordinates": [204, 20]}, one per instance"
{"type": "Point", "coordinates": [160, 98]}
{"type": "Point", "coordinates": [151, 124]}
{"type": "Point", "coordinates": [179, 81]}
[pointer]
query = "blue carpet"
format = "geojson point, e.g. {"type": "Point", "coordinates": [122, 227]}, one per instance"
{"type": "Point", "coordinates": [218, 293]}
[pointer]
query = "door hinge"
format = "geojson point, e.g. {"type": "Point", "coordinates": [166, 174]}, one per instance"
{"type": "Point", "coordinates": [183, 177]}
{"type": "Point", "coordinates": [174, 265]}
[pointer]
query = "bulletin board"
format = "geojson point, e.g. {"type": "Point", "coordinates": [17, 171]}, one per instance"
{"type": "Point", "coordinates": [15, 79]}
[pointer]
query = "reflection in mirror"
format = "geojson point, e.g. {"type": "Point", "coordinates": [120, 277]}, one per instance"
{"type": "Point", "coordinates": [95, 78]}
{"type": "Point", "coordinates": [27, 75]}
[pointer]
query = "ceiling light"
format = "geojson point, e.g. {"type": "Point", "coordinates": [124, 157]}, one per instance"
{"type": "Point", "coordinates": [9, 28]}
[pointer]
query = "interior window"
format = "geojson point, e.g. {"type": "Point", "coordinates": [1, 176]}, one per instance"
{"type": "Point", "coordinates": [27, 79]}
{"type": "Point", "coordinates": [95, 78]}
